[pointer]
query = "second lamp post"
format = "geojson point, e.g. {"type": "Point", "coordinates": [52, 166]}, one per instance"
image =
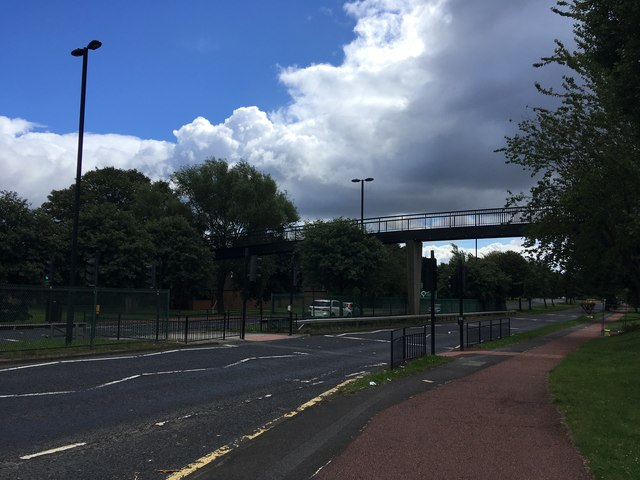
{"type": "Point", "coordinates": [362, 180]}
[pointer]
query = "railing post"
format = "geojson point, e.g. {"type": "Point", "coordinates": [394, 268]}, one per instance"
{"type": "Point", "coordinates": [391, 362]}
{"type": "Point", "coordinates": [186, 329]}
{"type": "Point", "coordinates": [224, 324]}
{"type": "Point", "coordinates": [424, 340]}
{"type": "Point", "coordinates": [404, 344]}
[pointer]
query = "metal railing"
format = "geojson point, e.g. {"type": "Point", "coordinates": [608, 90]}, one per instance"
{"type": "Point", "coordinates": [487, 330]}
{"type": "Point", "coordinates": [407, 343]}
{"type": "Point", "coordinates": [418, 221]}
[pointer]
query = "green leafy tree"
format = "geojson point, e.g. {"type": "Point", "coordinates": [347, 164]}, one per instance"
{"type": "Point", "coordinates": [340, 257]}
{"type": "Point", "coordinates": [229, 202]}
{"type": "Point", "coordinates": [584, 152]}
{"type": "Point", "coordinates": [119, 212]}
{"type": "Point", "coordinates": [516, 269]}
{"type": "Point", "coordinates": [183, 258]}
{"type": "Point", "coordinates": [26, 238]}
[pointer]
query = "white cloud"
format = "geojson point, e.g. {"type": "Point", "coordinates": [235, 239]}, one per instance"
{"type": "Point", "coordinates": [420, 101]}
{"type": "Point", "coordinates": [443, 251]}
{"type": "Point", "coordinates": [34, 163]}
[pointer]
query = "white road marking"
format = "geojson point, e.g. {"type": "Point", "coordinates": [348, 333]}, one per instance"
{"type": "Point", "coordinates": [53, 450]}
{"type": "Point", "coordinates": [220, 452]}
{"type": "Point", "coordinates": [39, 394]}
{"type": "Point", "coordinates": [358, 338]}
{"type": "Point", "coordinates": [105, 359]}
{"type": "Point", "coordinates": [244, 360]}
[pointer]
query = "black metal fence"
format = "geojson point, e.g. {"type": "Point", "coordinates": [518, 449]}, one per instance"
{"type": "Point", "coordinates": [33, 317]}
{"type": "Point", "coordinates": [407, 343]}
{"type": "Point", "coordinates": [487, 330]}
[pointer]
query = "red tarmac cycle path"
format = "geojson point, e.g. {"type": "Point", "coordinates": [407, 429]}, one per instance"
{"type": "Point", "coordinates": [498, 423]}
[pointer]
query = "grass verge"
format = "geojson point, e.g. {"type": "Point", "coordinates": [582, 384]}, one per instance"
{"type": "Point", "coordinates": [531, 334]}
{"type": "Point", "coordinates": [597, 391]}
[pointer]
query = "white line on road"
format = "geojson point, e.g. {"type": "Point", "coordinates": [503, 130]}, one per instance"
{"type": "Point", "coordinates": [53, 450]}
{"type": "Point", "coordinates": [244, 360]}
{"type": "Point", "coordinates": [358, 338]}
{"type": "Point", "coordinates": [39, 394]}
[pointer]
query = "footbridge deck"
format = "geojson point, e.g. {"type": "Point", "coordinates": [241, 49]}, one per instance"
{"type": "Point", "coordinates": [440, 226]}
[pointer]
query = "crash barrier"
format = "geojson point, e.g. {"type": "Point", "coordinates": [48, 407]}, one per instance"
{"type": "Point", "coordinates": [407, 343]}
{"type": "Point", "coordinates": [487, 330]}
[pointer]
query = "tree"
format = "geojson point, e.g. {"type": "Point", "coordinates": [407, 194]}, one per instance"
{"type": "Point", "coordinates": [183, 258]}
{"type": "Point", "coordinates": [26, 238]}
{"type": "Point", "coordinates": [340, 257]}
{"type": "Point", "coordinates": [120, 211]}
{"type": "Point", "coordinates": [584, 153]}
{"type": "Point", "coordinates": [231, 202]}
{"type": "Point", "coordinates": [515, 267]}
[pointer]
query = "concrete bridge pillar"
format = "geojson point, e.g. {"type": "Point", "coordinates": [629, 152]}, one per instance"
{"type": "Point", "coordinates": [414, 274]}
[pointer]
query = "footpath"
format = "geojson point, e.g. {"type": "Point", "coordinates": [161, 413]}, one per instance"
{"type": "Point", "coordinates": [487, 415]}
{"type": "Point", "coordinates": [498, 423]}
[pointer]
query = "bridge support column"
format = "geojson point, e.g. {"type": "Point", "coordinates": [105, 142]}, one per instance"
{"type": "Point", "coordinates": [414, 274]}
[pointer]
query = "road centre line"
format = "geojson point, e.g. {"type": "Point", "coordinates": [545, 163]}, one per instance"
{"type": "Point", "coordinates": [248, 359]}
{"type": "Point", "coordinates": [104, 359]}
{"type": "Point", "coordinates": [145, 374]}
{"type": "Point", "coordinates": [359, 338]}
{"type": "Point", "coordinates": [39, 394]}
{"type": "Point", "coordinates": [53, 450]}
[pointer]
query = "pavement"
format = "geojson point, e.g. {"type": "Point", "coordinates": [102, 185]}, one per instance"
{"type": "Point", "coordinates": [486, 415]}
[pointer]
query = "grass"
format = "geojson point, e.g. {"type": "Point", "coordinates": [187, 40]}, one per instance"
{"type": "Point", "coordinates": [532, 334]}
{"type": "Point", "coordinates": [597, 390]}
{"type": "Point", "coordinates": [629, 322]}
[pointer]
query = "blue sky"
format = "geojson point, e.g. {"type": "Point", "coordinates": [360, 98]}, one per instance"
{"type": "Point", "coordinates": [415, 93]}
{"type": "Point", "coordinates": [162, 63]}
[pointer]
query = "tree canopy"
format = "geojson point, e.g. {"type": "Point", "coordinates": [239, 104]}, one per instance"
{"type": "Point", "coordinates": [584, 153]}
{"type": "Point", "coordinates": [339, 256]}
{"type": "Point", "coordinates": [229, 202]}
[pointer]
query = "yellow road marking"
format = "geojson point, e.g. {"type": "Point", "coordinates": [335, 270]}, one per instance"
{"type": "Point", "coordinates": [220, 452]}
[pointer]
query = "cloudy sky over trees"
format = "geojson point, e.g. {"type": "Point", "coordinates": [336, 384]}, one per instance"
{"type": "Point", "coordinates": [415, 93]}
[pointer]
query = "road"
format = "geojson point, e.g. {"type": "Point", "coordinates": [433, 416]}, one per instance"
{"type": "Point", "coordinates": [142, 416]}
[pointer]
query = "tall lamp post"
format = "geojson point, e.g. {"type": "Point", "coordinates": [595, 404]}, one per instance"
{"type": "Point", "coordinates": [84, 53]}
{"type": "Point", "coordinates": [362, 180]}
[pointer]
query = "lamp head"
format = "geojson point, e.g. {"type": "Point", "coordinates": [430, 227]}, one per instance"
{"type": "Point", "coordinates": [94, 44]}
{"type": "Point", "coordinates": [355, 180]}
{"type": "Point", "coordinates": [78, 52]}
{"type": "Point", "coordinates": [368, 179]}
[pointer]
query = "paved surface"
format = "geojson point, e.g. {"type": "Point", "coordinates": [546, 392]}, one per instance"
{"type": "Point", "coordinates": [498, 423]}
{"type": "Point", "coordinates": [487, 415]}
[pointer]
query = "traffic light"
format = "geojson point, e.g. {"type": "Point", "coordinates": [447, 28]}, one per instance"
{"type": "Point", "coordinates": [429, 274]}
{"type": "Point", "coordinates": [452, 285]}
{"type": "Point", "coordinates": [47, 271]}
{"type": "Point", "coordinates": [150, 275]}
{"type": "Point", "coordinates": [91, 272]}
{"type": "Point", "coordinates": [255, 268]}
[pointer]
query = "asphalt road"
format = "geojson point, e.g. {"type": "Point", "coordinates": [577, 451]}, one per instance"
{"type": "Point", "coordinates": [145, 416]}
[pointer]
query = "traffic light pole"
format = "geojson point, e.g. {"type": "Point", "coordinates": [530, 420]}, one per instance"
{"type": "Point", "coordinates": [434, 289]}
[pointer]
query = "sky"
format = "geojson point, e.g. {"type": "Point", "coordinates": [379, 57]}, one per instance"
{"type": "Point", "coordinates": [417, 94]}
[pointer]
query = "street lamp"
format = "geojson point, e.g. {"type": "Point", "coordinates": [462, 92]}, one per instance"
{"type": "Point", "coordinates": [362, 180]}
{"type": "Point", "coordinates": [84, 53]}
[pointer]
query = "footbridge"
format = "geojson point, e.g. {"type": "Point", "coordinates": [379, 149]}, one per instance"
{"type": "Point", "coordinates": [410, 229]}
{"type": "Point", "coordinates": [424, 227]}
